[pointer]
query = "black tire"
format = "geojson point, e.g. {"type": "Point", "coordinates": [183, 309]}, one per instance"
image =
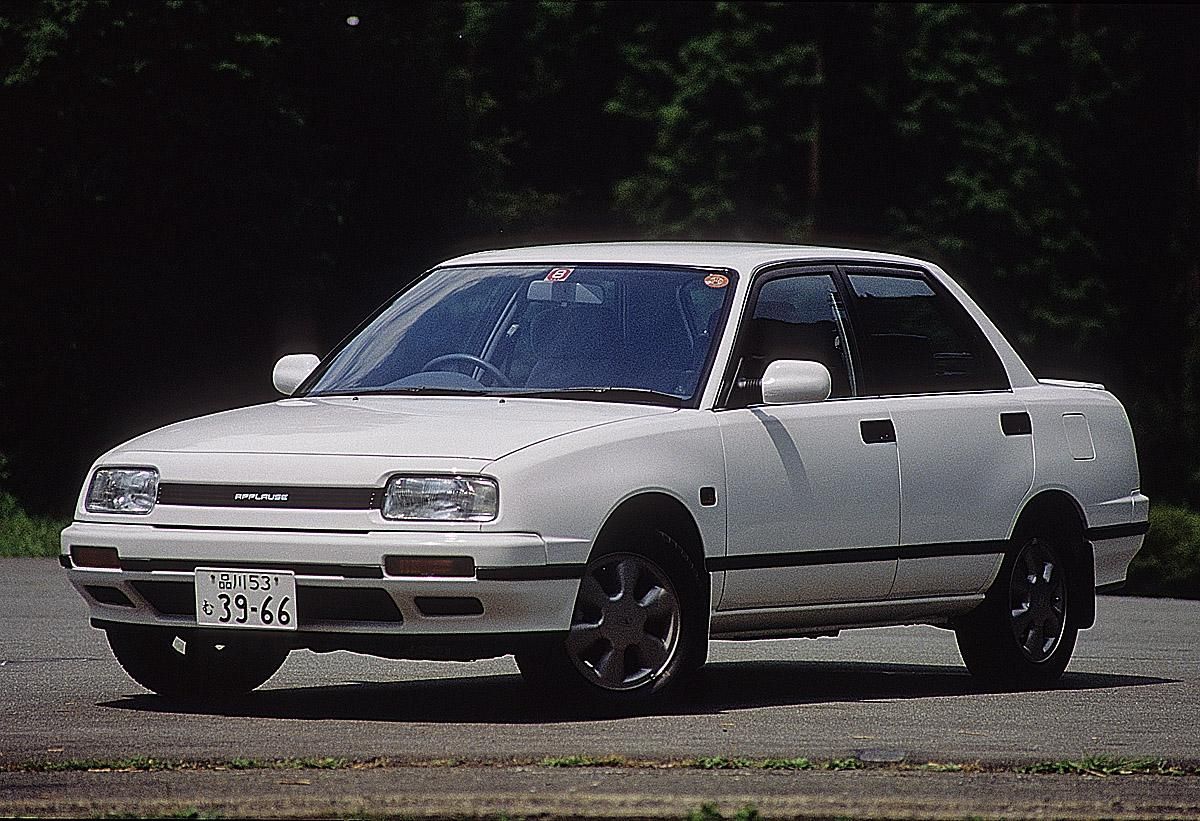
{"type": "Point", "coordinates": [1023, 635]}
{"type": "Point", "coordinates": [193, 667]}
{"type": "Point", "coordinates": [639, 590]}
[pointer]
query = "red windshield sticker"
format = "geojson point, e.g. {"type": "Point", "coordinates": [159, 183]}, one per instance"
{"type": "Point", "coordinates": [558, 274]}
{"type": "Point", "coordinates": [716, 280]}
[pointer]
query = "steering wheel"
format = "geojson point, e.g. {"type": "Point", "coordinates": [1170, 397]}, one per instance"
{"type": "Point", "coordinates": [501, 379]}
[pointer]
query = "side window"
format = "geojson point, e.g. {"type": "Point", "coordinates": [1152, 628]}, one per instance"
{"type": "Point", "coordinates": [794, 317]}
{"type": "Point", "coordinates": [912, 340]}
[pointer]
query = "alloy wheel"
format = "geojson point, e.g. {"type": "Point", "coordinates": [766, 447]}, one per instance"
{"type": "Point", "coordinates": [1037, 601]}
{"type": "Point", "coordinates": [625, 630]}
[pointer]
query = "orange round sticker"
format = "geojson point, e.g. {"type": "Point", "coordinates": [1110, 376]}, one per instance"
{"type": "Point", "coordinates": [716, 280]}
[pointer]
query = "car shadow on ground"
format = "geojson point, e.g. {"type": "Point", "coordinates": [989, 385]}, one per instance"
{"type": "Point", "coordinates": [506, 699]}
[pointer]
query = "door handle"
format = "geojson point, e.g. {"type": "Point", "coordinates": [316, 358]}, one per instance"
{"type": "Point", "coordinates": [877, 431]}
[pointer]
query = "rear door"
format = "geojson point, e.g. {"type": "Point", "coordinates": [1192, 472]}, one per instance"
{"type": "Point", "coordinates": [965, 448]}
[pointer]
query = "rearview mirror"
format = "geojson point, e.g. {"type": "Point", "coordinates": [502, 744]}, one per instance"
{"type": "Point", "coordinates": [577, 292]}
{"type": "Point", "coordinates": [293, 369]}
{"type": "Point", "coordinates": [791, 381]}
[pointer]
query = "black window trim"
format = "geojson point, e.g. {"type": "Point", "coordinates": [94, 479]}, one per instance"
{"type": "Point", "coordinates": [840, 270]}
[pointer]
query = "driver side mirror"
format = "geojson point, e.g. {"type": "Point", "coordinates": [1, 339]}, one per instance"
{"type": "Point", "coordinates": [293, 369]}
{"type": "Point", "coordinates": [792, 381]}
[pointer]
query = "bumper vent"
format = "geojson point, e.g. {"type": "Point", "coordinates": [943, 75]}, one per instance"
{"type": "Point", "coordinates": [346, 604]}
{"type": "Point", "coordinates": [108, 595]}
{"type": "Point", "coordinates": [449, 606]}
{"type": "Point", "coordinates": [169, 598]}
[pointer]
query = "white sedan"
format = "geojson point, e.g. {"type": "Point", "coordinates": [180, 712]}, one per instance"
{"type": "Point", "coordinates": [599, 457]}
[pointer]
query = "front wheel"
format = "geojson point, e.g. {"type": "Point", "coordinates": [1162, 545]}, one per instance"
{"type": "Point", "coordinates": [634, 630]}
{"type": "Point", "coordinates": [1023, 634]}
{"type": "Point", "coordinates": [183, 665]}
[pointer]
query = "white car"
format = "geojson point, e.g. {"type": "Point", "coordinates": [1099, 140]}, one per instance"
{"type": "Point", "coordinates": [598, 457]}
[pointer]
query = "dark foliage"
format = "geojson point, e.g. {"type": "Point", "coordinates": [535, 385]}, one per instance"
{"type": "Point", "coordinates": [194, 188]}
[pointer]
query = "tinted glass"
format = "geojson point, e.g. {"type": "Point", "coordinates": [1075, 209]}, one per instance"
{"type": "Point", "coordinates": [506, 330]}
{"type": "Point", "coordinates": [794, 317]}
{"type": "Point", "coordinates": [911, 340]}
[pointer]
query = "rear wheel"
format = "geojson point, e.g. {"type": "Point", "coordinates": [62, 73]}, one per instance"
{"type": "Point", "coordinates": [1023, 635]}
{"type": "Point", "coordinates": [184, 665]}
{"type": "Point", "coordinates": [636, 627]}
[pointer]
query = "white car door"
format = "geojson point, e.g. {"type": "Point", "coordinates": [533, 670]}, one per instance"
{"type": "Point", "coordinates": [965, 443]}
{"type": "Point", "coordinates": [813, 489]}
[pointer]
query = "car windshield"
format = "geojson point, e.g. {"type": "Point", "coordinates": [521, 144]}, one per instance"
{"type": "Point", "coordinates": [607, 332]}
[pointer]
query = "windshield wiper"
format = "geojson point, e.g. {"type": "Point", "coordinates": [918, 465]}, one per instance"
{"type": "Point", "coordinates": [415, 390]}
{"type": "Point", "coordinates": [635, 395]}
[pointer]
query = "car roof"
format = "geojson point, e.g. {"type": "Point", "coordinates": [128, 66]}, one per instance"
{"type": "Point", "coordinates": [740, 256]}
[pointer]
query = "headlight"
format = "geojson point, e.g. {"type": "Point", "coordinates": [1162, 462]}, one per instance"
{"type": "Point", "coordinates": [123, 490]}
{"type": "Point", "coordinates": [441, 498]}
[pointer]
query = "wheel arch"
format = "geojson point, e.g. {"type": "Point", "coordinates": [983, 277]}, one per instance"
{"type": "Point", "coordinates": [663, 512]}
{"type": "Point", "coordinates": [1060, 510]}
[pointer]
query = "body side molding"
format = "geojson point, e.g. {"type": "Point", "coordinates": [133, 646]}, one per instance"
{"type": "Point", "coordinates": [856, 555]}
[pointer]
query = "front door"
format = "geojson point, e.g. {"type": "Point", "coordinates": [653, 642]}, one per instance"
{"type": "Point", "coordinates": [814, 489]}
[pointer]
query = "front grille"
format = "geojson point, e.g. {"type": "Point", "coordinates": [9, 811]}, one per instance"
{"type": "Point", "coordinates": [314, 604]}
{"type": "Point", "coordinates": [273, 496]}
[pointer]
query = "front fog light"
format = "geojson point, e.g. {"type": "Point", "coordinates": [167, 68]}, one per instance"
{"type": "Point", "coordinates": [441, 498]}
{"type": "Point", "coordinates": [123, 490]}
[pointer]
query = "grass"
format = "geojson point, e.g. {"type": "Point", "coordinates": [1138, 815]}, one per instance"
{"type": "Point", "coordinates": [1108, 765]}
{"type": "Point", "coordinates": [182, 812]}
{"type": "Point", "coordinates": [716, 762]}
{"type": "Point", "coordinates": [1169, 561]}
{"type": "Point", "coordinates": [585, 761]}
{"type": "Point", "coordinates": [950, 767]}
{"type": "Point", "coordinates": [1086, 765]}
{"type": "Point", "coordinates": [709, 812]}
{"type": "Point", "coordinates": [144, 764]}
{"type": "Point", "coordinates": [785, 764]}
{"type": "Point", "coordinates": [25, 535]}
{"type": "Point", "coordinates": [290, 764]}
{"type": "Point", "coordinates": [722, 763]}
{"type": "Point", "coordinates": [106, 765]}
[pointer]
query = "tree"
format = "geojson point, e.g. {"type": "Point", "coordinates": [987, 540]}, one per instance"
{"type": "Point", "coordinates": [729, 96]}
{"type": "Point", "coordinates": [989, 104]}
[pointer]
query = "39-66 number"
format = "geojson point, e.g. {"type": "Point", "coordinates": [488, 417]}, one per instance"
{"type": "Point", "coordinates": [237, 609]}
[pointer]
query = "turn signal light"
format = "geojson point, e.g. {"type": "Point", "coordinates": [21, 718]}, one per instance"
{"type": "Point", "coordinates": [443, 566]}
{"type": "Point", "coordinates": [105, 557]}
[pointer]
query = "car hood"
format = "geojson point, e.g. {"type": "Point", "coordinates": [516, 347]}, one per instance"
{"type": "Point", "coordinates": [476, 427]}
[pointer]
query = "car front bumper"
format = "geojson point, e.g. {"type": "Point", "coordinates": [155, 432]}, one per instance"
{"type": "Point", "coordinates": [342, 587]}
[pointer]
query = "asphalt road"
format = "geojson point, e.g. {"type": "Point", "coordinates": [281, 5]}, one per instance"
{"type": "Point", "coordinates": [471, 792]}
{"type": "Point", "coordinates": [1133, 689]}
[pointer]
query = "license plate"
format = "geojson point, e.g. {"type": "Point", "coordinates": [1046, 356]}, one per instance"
{"type": "Point", "coordinates": [246, 598]}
